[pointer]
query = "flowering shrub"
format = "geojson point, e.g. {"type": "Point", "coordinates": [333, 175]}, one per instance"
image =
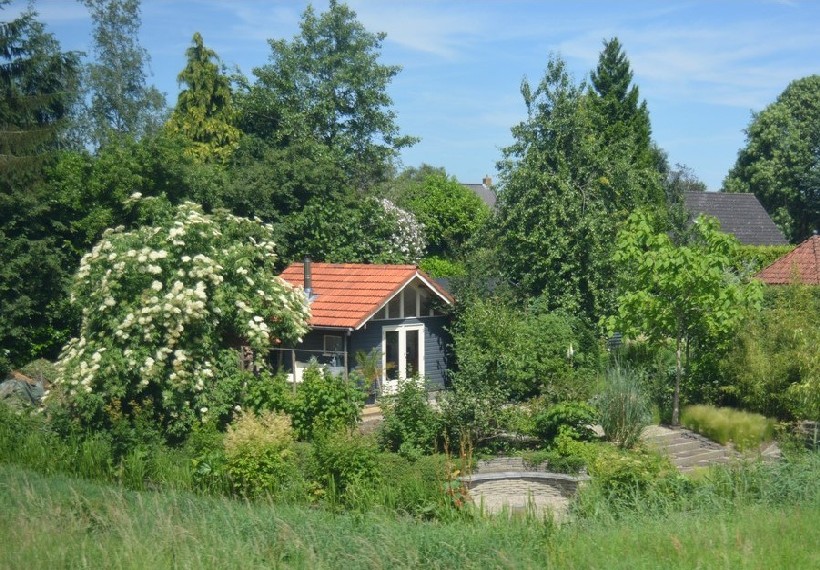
{"type": "Point", "coordinates": [407, 241]}
{"type": "Point", "coordinates": [163, 309]}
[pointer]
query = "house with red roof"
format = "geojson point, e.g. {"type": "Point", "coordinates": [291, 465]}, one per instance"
{"type": "Point", "coordinates": [395, 311]}
{"type": "Point", "coordinates": [800, 265]}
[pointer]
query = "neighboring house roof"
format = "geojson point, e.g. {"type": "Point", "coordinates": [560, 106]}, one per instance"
{"type": "Point", "coordinates": [801, 265]}
{"type": "Point", "coordinates": [346, 295]}
{"type": "Point", "coordinates": [739, 214]}
{"type": "Point", "coordinates": [484, 191]}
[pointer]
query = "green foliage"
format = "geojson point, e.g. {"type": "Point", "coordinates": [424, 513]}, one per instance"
{"type": "Point", "coordinates": [105, 526]}
{"type": "Point", "coordinates": [753, 258]}
{"type": "Point", "coordinates": [779, 163]}
{"type": "Point", "coordinates": [204, 113]}
{"type": "Point", "coordinates": [355, 230]}
{"type": "Point", "coordinates": [39, 92]}
{"type": "Point", "coordinates": [347, 462]}
{"type": "Point", "coordinates": [684, 292]}
{"type": "Point", "coordinates": [268, 392]}
{"type": "Point", "coordinates": [40, 370]}
{"type": "Point", "coordinates": [773, 366]}
{"type": "Point", "coordinates": [573, 420]}
{"type": "Point", "coordinates": [410, 424]}
{"type": "Point", "coordinates": [622, 122]}
{"type": "Point", "coordinates": [580, 163]}
{"type": "Point", "coordinates": [121, 103]}
{"type": "Point", "coordinates": [450, 212]}
{"type": "Point", "coordinates": [524, 353]}
{"type": "Point", "coordinates": [416, 487]}
{"type": "Point", "coordinates": [325, 402]}
{"type": "Point", "coordinates": [726, 425]}
{"type": "Point", "coordinates": [619, 474]}
{"type": "Point", "coordinates": [326, 90]}
{"type": "Point", "coordinates": [258, 452]}
{"type": "Point", "coordinates": [442, 267]}
{"type": "Point", "coordinates": [472, 414]}
{"type": "Point", "coordinates": [553, 230]}
{"type": "Point", "coordinates": [624, 408]}
{"type": "Point", "coordinates": [164, 308]}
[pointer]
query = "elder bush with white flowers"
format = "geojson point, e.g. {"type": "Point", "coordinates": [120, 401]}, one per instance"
{"type": "Point", "coordinates": [164, 310]}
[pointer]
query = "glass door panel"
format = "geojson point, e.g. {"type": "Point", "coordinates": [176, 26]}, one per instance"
{"type": "Point", "coordinates": [411, 353]}
{"type": "Point", "coordinates": [391, 355]}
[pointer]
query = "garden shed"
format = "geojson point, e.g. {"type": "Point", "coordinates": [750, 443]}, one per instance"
{"type": "Point", "coordinates": [395, 313]}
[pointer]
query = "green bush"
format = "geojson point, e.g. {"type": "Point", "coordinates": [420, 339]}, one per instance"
{"type": "Point", "coordinates": [258, 454]}
{"type": "Point", "coordinates": [415, 487]}
{"type": "Point", "coordinates": [774, 365]}
{"type": "Point", "coordinates": [624, 409]}
{"type": "Point", "coordinates": [573, 419]}
{"type": "Point", "coordinates": [724, 425]}
{"type": "Point", "coordinates": [161, 308]}
{"type": "Point", "coordinates": [268, 392]}
{"type": "Point", "coordinates": [325, 402]}
{"type": "Point", "coordinates": [620, 474]}
{"type": "Point", "coordinates": [410, 425]}
{"type": "Point", "coordinates": [525, 352]}
{"type": "Point", "coordinates": [347, 465]}
{"type": "Point", "coordinates": [564, 455]}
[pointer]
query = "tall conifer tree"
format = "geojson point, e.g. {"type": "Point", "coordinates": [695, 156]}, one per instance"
{"type": "Point", "coordinates": [204, 113]}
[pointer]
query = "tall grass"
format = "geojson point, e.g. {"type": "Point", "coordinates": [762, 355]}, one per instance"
{"type": "Point", "coordinates": [726, 425]}
{"type": "Point", "coordinates": [102, 526]}
{"type": "Point", "coordinates": [624, 407]}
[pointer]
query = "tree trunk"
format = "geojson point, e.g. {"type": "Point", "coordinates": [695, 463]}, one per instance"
{"type": "Point", "coordinates": [676, 395]}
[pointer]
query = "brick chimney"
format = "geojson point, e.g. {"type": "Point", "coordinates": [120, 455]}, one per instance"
{"type": "Point", "coordinates": [488, 182]}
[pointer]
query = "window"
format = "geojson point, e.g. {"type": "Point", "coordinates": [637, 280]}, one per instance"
{"type": "Point", "coordinates": [409, 295]}
{"type": "Point", "coordinates": [413, 301]}
{"type": "Point", "coordinates": [425, 304]}
{"type": "Point", "coordinates": [394, 307]}
{"type": "Point", "coordinates": [333, 344]}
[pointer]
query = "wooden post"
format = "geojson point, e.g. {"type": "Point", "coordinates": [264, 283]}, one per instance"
{"type": "Point", "coordinates": [293, 365]}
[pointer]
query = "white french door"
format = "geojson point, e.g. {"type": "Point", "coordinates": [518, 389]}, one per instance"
{"type": "Point", "coordinates": [402, 355]}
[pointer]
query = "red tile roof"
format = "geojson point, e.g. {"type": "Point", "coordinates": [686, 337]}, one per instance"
{"type": "Point", "coordinates": [802, 264]}
{"type": "Point", "coordinates": [348, 294]}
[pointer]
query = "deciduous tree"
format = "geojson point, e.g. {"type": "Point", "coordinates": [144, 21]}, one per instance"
{"type": "Point", "coordinates": [120, 101]}
{"type": "Point", "coordinates": [780, 163]}
{"type": "Point", "coordinates": [326, 87]}
{"type": "Point", "coordinates": [686, 293]}
{"type": "Point", "coordinates": [554, 231]}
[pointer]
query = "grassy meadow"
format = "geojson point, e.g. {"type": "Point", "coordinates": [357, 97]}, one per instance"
{"type": "Point", "coordinates": [61, 522]}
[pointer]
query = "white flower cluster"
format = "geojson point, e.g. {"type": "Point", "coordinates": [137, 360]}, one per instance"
{"type": "Point", "coordinates": [408, 239]}
{"type": "Point", "coordinates": [157, 302]}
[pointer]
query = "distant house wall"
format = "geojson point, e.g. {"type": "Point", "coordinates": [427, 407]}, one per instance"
{"type": "Point", "coordinates": [435, 344]}
{"type": "Point", "coordinates": [368, 338]}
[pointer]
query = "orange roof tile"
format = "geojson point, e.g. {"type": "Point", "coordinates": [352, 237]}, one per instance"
{"type": "Point", "coordinates": [348, 294]}
{"type": "Point", "coordinates": [801, 264]}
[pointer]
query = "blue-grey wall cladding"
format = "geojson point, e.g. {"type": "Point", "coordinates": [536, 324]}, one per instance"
{"type": "Point", "coordinates": [369, 337]}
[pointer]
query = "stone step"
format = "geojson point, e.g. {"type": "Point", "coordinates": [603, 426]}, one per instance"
{"type": "Point", "coordinates": [699, 450]}
{"type": "Point", "coordinates": [663, 437]}
{"type": "Point", "coordinates": [680, 445]}
{"type": "Point", "coordinates": [700, 458]}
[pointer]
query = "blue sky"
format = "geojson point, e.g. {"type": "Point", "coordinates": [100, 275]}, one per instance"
{"type": "Point", "coordinates": [702, 65]}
